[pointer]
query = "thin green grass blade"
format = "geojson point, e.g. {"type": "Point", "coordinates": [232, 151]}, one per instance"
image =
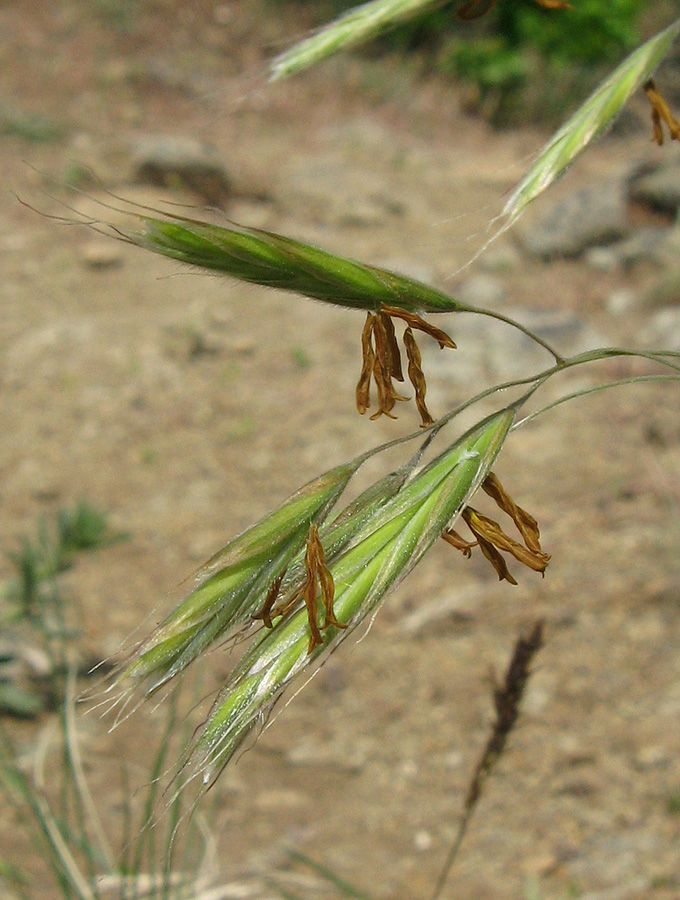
{"type": "Point", "coordinates": [356, 26]}
{"type": "Point", "coordinates": [273, 260]}
{"type": "Point", "coordinates": [590, 120]}
{"type": "Point", "coordinates": [58, 854]}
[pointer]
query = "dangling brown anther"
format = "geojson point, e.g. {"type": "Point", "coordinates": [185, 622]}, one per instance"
{"type": "Point", "coordinates": [452, 537]}
{"type": "Point", "coordinates": [661, 113]}
{"type": "Point", "coordinates": [318, 571]}
{"type": "Point", "coordinates": [491, 538]}
{"type": "Point", "coordinates": [381, 361]}
{"type": "Point", "coordinates": [416, 376]}
{"type": "Point", "coordinates": [266, 612]}
{"type": "Point", "coordinates": [526, 524]}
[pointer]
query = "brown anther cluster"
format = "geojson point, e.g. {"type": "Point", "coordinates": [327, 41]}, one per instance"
{"type": "Point", "coordinates": [381, 361]}
{"type": "Point", "coordinates": [475, 9]}
{"type": "Point", "coordinates": [317, 574]}
{"type": "Point", "coordinates": [491, 538]}
{"type": "Point", "coordinates": [661, 113]}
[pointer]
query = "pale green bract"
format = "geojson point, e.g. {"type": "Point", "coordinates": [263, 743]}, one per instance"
{"type": "Point", "coordinates": [358, 25]}
{"type": "Point", "coordinates": [390, 541]}
{"type": "Point", "coordinates": [590, 120]}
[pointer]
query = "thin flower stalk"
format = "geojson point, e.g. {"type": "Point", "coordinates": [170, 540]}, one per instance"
{"type": "Point", "coordinates": [590, 120]}
{"type": "Point", "coordinates": [379, 555]}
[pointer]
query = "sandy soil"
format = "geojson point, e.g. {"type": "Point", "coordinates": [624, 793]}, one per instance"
{"type": "Point", "coordinates": [188, 406]}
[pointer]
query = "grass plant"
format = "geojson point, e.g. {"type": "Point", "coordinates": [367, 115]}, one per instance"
{"type": "Point", "coordinates": [81, 859]}
{"type": "Point", "coordinates": [296, 584]}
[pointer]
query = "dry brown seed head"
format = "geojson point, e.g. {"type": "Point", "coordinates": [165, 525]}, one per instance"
{"type": "Point", "coordinates": [661, 112]}
{"type": "Point", "coordinates": [310, 587]}
{"type": "Point", "coordinates": [317, 574]}
{"type": "Point", "coordinates": [387, 395]}
{"type": "Point", "coordinates": [491, 553]}
{"type": "Point", "coordinates": [381, 361]}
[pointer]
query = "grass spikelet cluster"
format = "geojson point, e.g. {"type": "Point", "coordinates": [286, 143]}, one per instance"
{"type": "Point", "coordinates": [386, 546]}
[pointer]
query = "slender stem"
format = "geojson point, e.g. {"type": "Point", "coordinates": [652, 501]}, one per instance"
{"type": "Point", "coordinates": [559, 359]}
{"type": "Point", "coordinates": [636, 379]}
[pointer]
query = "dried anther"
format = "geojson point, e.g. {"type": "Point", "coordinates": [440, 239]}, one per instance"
{"type": "Point", "coordinates": [452, 537]}
{"type": "Point", "coordinates": [475, 9]}
{"type": "Point", "coordinates": [317, 574]}
{"type": "Point", "coordinates": [381, 361]}
{"type": "Point", "coordinates": [317, 570]}
{"type": "Point", "coordinates": [526, 524]}
{"type": "Point", "coordinates": [266, 612]}
{"type": "Point", "coordinates": [413, 320]}
{"type": "Point", "coordinates": [491, 538]}
{"type": "Point", "coordinates": [415, 374]}
{"type": "Point", "coordinates": [661, 113]}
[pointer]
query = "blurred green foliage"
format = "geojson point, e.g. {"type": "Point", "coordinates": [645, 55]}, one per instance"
{"type": "Point", "coordinates": [501, 56]}
{"type": "Point", "coordinates": [592, 31]}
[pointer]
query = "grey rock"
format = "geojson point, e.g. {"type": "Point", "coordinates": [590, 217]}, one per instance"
{"type": "Point", "coordinates": [500, 351]}
{"type": "Point", "coordinates": [645, 245]}
{"type": "Point", "coordinates": [659, 189]}
{"type": "Point", "coordinates": [172, 162]}
{"type": "Point", "coordinates": [591, 217]}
